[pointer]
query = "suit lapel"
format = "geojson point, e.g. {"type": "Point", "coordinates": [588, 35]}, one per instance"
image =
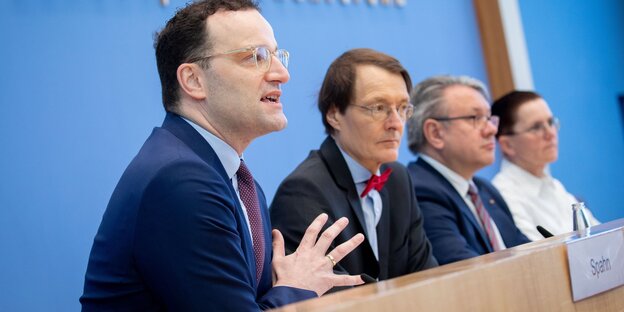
{"type": "Point", "coordinates": [486, 206]}
{"type": "Point", "coordinates": [490, 205]}
{"type": "Point", "coordinates": [337, 167]}
{"type": "Point", "coordinates": [383, 232]}
{"type": "Point", "coordinates": [460, 202]}
{"type": "Point", "coordinates": [340, 171]}
{"type": "Point", "coordinates": [265, 279]}
{"type": "Point", "coordinates": [187, 134]}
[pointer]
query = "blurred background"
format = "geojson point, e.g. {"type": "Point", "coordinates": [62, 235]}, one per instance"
{"type": "Point", "coordinates": [79, 93]}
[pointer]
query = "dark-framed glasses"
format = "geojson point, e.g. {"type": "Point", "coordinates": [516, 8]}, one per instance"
{"type": "Point", "coordinates": [478, 121]}
{"type": "Point", "coordinates": [540, 127]}
{"type": "Point", "coordinates": [261, 56]}
{"type": "Point", "coordinates": [382, 112]}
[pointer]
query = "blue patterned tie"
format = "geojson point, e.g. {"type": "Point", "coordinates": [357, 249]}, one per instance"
{"type": "Point", "coordinates": [247, 191]}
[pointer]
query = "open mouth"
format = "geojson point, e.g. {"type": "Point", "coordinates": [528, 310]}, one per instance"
{"type": "Point", "coordinates": [270, 99]}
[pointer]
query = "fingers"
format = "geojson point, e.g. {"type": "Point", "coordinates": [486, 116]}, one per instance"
{"type": "Point", "coordinates": [345, 248]}
{"type": "Point", "coordinates": [309, 238]}
{"type": "Point", "coordinates": [330, 234]}
{"type": "Point", "coordinates": [347, 280]}
{"type": "Point", "coordinates": [278, 244]}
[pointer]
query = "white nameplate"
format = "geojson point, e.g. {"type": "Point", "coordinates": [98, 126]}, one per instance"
{"type": "Point", "coordinates": [596, 263]}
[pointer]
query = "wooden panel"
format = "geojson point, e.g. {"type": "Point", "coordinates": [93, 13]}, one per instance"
{"type": "Point", "coordinates": [494, 47]}
{"type": "Point", "coordinates": [532, 277]}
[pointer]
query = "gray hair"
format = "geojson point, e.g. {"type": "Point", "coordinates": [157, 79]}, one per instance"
{"type": "Point", "coordinates": [427, 98]}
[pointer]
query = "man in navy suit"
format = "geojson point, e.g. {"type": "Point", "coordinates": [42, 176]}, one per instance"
{"type": "Point", "coordinates": [452, 131]}
{"type": "Point", "coordinates": [187, 228]}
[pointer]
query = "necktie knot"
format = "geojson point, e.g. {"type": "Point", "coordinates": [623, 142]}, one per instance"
{"type": "Point", "coordinates": [376, 182]}
{"type": "Point", "coordinates": [243, 173]}
{"type": "Point", "coordinates": [472, 191]}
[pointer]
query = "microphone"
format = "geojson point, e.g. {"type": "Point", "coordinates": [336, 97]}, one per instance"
{"type": "Point", "coordinates": [367, 278]}
{"type": "Point", "coordinates": [544, 232]}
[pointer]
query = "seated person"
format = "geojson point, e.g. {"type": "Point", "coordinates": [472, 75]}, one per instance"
{"type": "Point", "coordinates": [452, 131]}
{"type": "Point", "coordinates": [527, 137]}
{"type": "Point", "coordinates": [364, 102]}
{"type": "Point", "coordinates": [187, 227]}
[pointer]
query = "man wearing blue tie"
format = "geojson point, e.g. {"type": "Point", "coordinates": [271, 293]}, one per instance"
{"type": "Point", "coordinates": [452, 131]}
{"type": "Point", "coordinates": [187, 228]}
{"type": "Point", "coordinates": [364, 102]}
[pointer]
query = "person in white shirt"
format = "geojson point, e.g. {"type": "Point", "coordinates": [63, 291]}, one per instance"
{"type": "Point", "coordinates": [528, 137]}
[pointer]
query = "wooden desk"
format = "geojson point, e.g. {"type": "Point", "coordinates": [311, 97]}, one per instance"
{"type": "Point", "coordinates": [531, 277]}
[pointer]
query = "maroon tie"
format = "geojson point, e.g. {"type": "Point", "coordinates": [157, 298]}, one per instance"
{"type": "Point", "coordinates": [248, 195]}
{"type": "Point", "coordinates": [376, 182]}
{"type": "Point", "coordinates": [484, 216]}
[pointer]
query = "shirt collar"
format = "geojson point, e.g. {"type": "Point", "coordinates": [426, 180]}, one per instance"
{"type": "Point", "coordinates": [358, 172]}
{"type": "Point", "coordinates": [528, 181]}
{"type": "Point", "coordinates": [458, 182]}
{"type": "Point", "coordinates": [227, 155]}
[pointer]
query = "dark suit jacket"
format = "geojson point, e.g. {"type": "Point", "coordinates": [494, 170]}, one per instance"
{"type": "Point", "coordinates": [452, 228]}
{"type": "Point", "coordinates": [174, 236]}
{"type": "Point", "coordinates": [323, 183]}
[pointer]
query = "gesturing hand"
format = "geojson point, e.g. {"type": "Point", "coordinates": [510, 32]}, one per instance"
{"type": "Point", "coordinates": [310, 266]}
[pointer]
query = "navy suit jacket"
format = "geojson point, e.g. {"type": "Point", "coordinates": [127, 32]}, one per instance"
{"type": "Point", "coordinates": [174, 236]}
{"type": "Point", "coordinates": [451, 226]}
{"type": "Point", "coordinates": [323, 184]}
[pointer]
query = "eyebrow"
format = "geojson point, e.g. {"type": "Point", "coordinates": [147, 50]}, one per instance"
{"type": "Point", "coordinates": [481, 109]}
{"type": "Point", "coordinates": [542, 120]}
{"type": "Point", "coordinates": [385, 99]}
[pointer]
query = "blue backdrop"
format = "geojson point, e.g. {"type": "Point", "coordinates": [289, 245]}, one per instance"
{"type": "Point", "coordinates": [80, 94]}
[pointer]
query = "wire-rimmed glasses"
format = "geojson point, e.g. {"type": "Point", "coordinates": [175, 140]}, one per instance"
{"type": "Point", "coordinates": [539, 127]}
{"type": "Point", "coordinates": [381, 111]}
{"type": "Point", "coordinates": [478, 121]}
{"type": "Point", "coordinates": [261, 56]}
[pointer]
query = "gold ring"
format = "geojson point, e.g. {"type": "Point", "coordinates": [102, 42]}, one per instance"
{"type": "Point", "coordinates": [331, 259]}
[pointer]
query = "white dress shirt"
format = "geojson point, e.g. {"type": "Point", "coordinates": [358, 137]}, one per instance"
{"type": "Point", "coordinates": [536, 201]}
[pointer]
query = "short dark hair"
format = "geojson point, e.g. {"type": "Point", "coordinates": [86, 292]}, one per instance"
{"type": "Point", "coordinates": [339, 82]}
{"type": "Point", "coordinates": [185, 37]}
{"type": "Point", "coordinates": [506, 108]}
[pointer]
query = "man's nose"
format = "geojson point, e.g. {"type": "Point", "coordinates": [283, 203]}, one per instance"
{"type": "Point", "coordinates": [394, 120]}
{"type": "Point", "coordinates": [490, 128]}
{"type": "Point", "coordinates": [277, 71]}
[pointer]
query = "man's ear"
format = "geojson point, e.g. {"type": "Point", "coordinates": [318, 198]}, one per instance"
{"type": "Point", "coordinates": [333, 117]}
{"type": "Point", "coordinates": [506, 146]}
{"type": "Point", "coordinates": [191, 80]}
{"type": "Point", "coordinates": [434, 133]}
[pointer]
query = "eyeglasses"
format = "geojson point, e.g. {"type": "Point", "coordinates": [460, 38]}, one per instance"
{"type": "Point", "coordinates": [478, 121]}
{"type": "Point", "coordinates": [382, 112]}
{"type": "Point", "coordinates": [540, 127]}
{"type": "Point", "coordinates": [261, 56]}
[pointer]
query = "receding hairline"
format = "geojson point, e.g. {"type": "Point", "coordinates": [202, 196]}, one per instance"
{"type": "Point", "coordinates": [227, 22]}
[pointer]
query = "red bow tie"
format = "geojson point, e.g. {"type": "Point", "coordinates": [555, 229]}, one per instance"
{"type": "Point", "coordinates": [377, 182]}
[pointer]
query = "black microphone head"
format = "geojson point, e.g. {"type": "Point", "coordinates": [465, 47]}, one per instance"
{"type": "Point", "coordinates": [367, 278]}
{"type": "Point", "coordinates": [544, 232]}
